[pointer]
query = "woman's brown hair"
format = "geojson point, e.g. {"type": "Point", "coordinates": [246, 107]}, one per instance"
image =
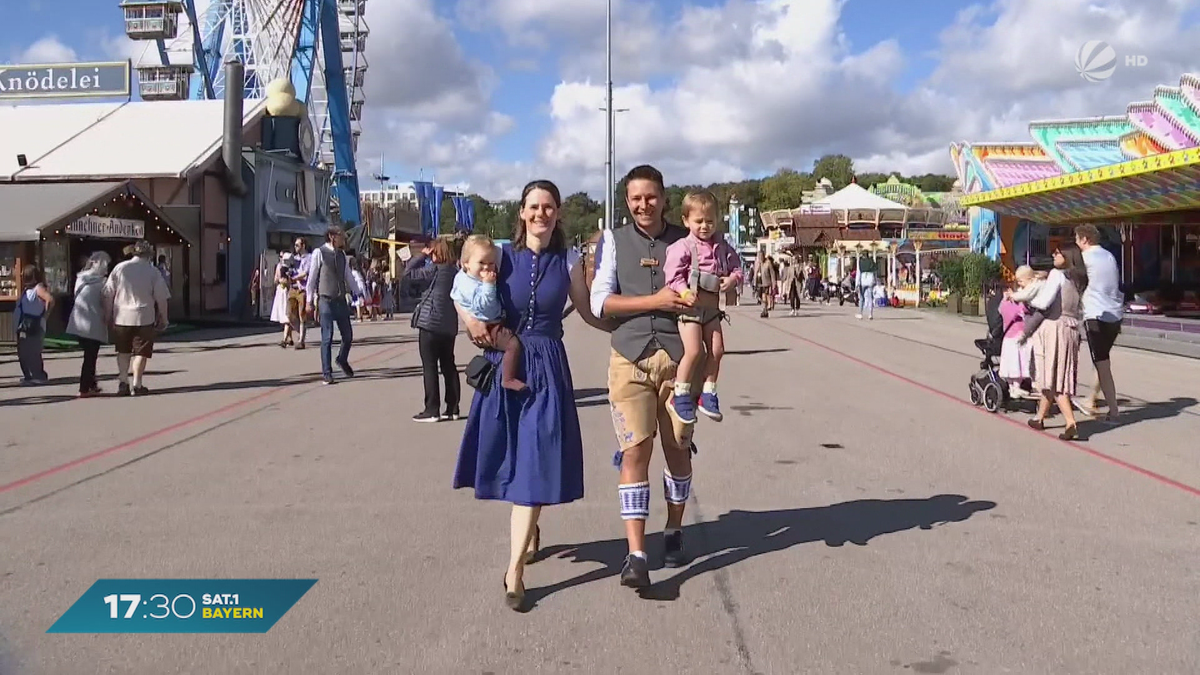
{"type": "Point", "coordinates": [1076, 269]}
{"type": "Point", "coordinates": [439, 250]}
{"type": "Point", "coordinates": [558, 240]}
{"type": "Point", "coordinates": [31, 276]}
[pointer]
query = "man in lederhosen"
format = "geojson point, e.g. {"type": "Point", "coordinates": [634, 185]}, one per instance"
{"type": "Point", "coordinates": [630, 288]}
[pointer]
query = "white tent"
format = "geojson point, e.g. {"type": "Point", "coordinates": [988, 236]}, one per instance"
{"type": "Point", "coordinates": [854, 198]}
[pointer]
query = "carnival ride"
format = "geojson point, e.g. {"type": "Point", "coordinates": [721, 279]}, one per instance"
{"type": "Point", "coordinates": [1170, 121]}
{"type": "Point", "coordinates": [318, 45]}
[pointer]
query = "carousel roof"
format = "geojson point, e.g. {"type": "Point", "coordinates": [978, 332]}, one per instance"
{"type": "Point", "coordinates": [854, 197]}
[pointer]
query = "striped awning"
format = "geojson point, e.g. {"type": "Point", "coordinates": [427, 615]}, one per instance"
{"type": "Point", "coordinates": [1165, 182]}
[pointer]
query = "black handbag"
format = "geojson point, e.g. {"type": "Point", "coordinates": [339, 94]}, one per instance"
{"type": "Point", "coordinates": [480, 371]}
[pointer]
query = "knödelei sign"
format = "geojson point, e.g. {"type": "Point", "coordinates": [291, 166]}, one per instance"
{"type": "Point", "coordinates": [65, 80]}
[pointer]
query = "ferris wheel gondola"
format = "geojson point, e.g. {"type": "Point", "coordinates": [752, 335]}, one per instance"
{"type": "Point", "coordinates": [316, 44]}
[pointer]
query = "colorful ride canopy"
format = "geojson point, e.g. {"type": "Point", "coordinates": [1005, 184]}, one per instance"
{"type": "Point", "coordinates": [1169, 121]}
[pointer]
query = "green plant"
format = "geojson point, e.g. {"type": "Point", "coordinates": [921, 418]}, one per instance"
{"type": "Point", "coordinates": [950, 270]}
{"type": "Point", "coordinates": [978, 271]}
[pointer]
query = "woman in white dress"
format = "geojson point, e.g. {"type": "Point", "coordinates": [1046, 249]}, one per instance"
{"type": "Point", "coordinates": [279, 308]}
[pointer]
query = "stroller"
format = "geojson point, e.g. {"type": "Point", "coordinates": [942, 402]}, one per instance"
{"type": "Point", "coordinates": [987, 389]}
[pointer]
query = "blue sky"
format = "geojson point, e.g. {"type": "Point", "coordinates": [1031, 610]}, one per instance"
{"type": "Point", "coordinates": [513, 91]}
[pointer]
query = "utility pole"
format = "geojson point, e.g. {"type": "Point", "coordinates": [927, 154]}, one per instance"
{"type": "Point", "coordinates": [609, 168]}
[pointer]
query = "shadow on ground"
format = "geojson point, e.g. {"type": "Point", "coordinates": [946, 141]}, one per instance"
{"type": "Point", "coordinates": [269, 383]}
{"type": "Point", "coordinates": [741, 535]}
{"type": "Point", "coordinates": [1146, 411]}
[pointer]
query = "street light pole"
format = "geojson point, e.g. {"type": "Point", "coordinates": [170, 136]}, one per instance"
{"type": "Point", "coordinates": [609, 177]}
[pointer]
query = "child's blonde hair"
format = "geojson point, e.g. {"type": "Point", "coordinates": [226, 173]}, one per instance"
{"type": "Point", "coordinates": [1024, 273]}
{"type": "Point", "coordinates": [475, 243]}
{"type": "Point", "coordinates": [695, 201]}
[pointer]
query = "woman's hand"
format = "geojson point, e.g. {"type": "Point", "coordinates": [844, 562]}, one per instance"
{"type": "Point", "coordinates": [478, 332]}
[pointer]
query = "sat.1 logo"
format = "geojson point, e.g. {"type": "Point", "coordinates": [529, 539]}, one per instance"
{"type": "Point", "coordinates": [1096, 60]}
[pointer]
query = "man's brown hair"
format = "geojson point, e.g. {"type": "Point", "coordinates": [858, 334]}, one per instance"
{"type": "Point", "coordinates": [646, 172]}
{"type": "Point", "coordinates": [1088, 232]}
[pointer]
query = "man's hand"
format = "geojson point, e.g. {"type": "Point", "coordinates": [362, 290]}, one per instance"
{"type": "Point", "coordinates": [727, 283]}
{"type": "Point", "coordinates": [668, 300]}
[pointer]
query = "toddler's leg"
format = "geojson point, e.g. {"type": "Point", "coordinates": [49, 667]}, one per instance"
{"type": "Point", "coordinates": [714, 338]}
{"type": "Point", "coordinates": [511, 346]}
{"type": "Point", "coordinates": [681, 405]}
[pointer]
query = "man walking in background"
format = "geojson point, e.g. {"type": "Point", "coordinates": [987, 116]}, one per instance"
{"type": "Point", "coordinates": [1103, 311]}
{"type": "Point", "coordinates": [135, 297]}
{"type": "Point", "coordinates": [329, 282]}
{"type": "Point", "coordinates": [297, 306]}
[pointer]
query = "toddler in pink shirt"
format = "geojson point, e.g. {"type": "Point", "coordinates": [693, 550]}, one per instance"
{"type": "Point", "coordinates": [1015, 357]}
{"type": "Point", "coordinates": [700, 267]}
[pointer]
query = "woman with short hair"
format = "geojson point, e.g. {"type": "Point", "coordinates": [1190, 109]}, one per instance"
{"type": "Point", "coordinates": [88, 323]}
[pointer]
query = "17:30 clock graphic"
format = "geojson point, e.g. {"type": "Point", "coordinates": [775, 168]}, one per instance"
{"type": "Point", "coordinates": [182, 606]}
{"type": "Point", "coordinates": [167, 605]}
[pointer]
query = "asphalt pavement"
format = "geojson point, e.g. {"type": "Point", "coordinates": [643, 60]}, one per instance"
{"type": "Point", "coordinates": [852, 514]}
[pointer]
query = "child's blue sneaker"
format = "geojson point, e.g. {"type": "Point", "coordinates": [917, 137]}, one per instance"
{"type": "Point", "coordinates": [710, 406]}
{"type": "Point", "coordinates": [682, 408]}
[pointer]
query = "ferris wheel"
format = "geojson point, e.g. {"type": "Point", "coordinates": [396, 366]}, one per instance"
{"type": "Point", "coordinates": [316, 44]}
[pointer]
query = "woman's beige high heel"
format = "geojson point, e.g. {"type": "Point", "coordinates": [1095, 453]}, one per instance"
{"type": "Point", "coordinates": [513, 599]}
{"type": "Point", "coordinates": [535, 545]}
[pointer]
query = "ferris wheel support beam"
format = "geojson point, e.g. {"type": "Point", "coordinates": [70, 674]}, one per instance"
{"type": "Point", "coordinates": [209, 52]}
{"type": "Point", "coordinates": [189, 6]}
{"type": "Point", "coordinates": [304, 58]}
{"type": "Point", "coordinates": [345, 173]}
{"type": "Point", "coordinates": [162, 52]}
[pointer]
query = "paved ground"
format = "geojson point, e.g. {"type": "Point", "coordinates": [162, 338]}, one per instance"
{"type": "Point", "coordinates": [852, 515]}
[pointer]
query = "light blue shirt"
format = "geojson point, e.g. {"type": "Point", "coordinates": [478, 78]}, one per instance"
{"type": "Point", "coordinates": [480, 300]}
{"type": "Point", "coordinates": [1102, 299]}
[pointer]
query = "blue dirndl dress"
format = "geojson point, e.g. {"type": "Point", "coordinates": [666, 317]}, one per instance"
{"type": "Point", "coordinates": [526, 447]}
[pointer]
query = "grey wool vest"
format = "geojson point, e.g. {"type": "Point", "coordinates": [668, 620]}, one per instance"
{"type": "Point", "coordinates": [640, 261]}
{"type": "Point", "coordinates": [331, 283]}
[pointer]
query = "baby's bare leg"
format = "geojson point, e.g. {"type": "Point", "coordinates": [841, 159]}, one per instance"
{"type": "Point", "coordinates": [714, 339]}
{"type": "Point", "coordinates": [510, 344]}
{"type": "Point", "coordinates": [692, 335]}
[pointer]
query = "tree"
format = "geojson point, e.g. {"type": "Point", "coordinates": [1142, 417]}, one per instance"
{"type": "Point", "coordinates": [579, 216]}
{"type": "Point", "coordinates": [839, 169]}
{"type": "Point", "coordinates": [784, 190]}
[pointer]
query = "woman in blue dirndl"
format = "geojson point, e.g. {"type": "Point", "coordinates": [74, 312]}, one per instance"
{"type": "Point", "coordinates": [525, 447]}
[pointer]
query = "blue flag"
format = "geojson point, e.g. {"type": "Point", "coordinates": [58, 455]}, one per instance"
{"type": "Point", "coordinates": [424, 190]}
{"type": "Point", "coordinates": [435, 203]}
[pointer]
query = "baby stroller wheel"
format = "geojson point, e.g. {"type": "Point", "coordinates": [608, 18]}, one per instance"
{"type": "Point", "coordinates": [993, 398]}
{"type": "Point", "coordinates": [976, 395]}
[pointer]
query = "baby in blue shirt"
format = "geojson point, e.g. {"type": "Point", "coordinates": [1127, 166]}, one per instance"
{"type": "Point", "coordinates": [476, 293]}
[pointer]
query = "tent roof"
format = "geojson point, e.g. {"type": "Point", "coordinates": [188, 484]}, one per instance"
{"type": "Point", "coordinates": [27, 208]}
{"type": "Point", "coordinates": [854, 197]}
{"type": "Point", "coordinates": [106, 141]}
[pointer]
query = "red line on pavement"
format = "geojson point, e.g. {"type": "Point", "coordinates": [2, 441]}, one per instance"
{"type": "Point", "coordinates": [241, 403]}
{"type": "Point", "coordinates": [1070, 444]}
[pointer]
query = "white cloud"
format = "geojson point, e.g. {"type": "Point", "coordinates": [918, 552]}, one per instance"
{"type": "Point", "coordinates": [47, 50]}
{"type": "Point", "coordinates": [754, 86]}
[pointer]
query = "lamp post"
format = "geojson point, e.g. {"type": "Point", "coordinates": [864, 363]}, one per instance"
{"type": "Point", "coordinates": [609, 170]}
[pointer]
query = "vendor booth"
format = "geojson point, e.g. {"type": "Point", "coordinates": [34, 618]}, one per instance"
{"type": "Point", "coordinates": [56, 226]}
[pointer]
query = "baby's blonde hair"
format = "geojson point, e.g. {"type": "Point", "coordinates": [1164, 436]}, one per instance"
{"type": "Point", "coordinates": [477, 242]}
{"type": "Point", "coordinates": [1024, 273]}
{"type": "Point", "coordinates": [694, 201]}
